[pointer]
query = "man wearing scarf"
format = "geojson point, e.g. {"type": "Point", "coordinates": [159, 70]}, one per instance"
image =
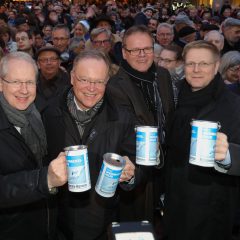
{"type": "Point", "coordinates": [146, 90]}
{"type": "Point", "coordinates": [201, 201]}
{"type": "Point", "coordinates": [26, 182]}
{"type": "Point", "coordinates": [84, 115]}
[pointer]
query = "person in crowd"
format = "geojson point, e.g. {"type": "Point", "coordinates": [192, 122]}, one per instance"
{"type": "Point", "coordinates": [216, 38]}
{"type": "Point", "coordinates": [171, 59]}
{"type": "Point", "coordinates": [6, 35]}
{"type": "Point", "coordinates": [186, 35]}
{"type": "Point", "coordinates": [80, 32]}
{"type": "Point", "coordinates": [47, 32]}
{"type": "Point", "coordinates": [142, 17]}
{"type": "Point", "coordinates": [102, 38]}
{"type": "Point", "coordinates": [229, 66]}
{"type": "Point", "coordinates": [27, 182]}
{"type": "Point", "coordinates": [165, 34]}
{"type": "Point", "coordinates": [51, 79]}
{"type": "Point", "coordinates": [21, 24]}
{"type": "Point", "coordinates": [38, 40]}
{"type": "Point", "coordinates": [200, 202]}
{"type": "Point", "coordinates": [147, 91]}
{"type": "Point", "coordinates": [152, 25]}
{"type": "Point", "coordinates": [86, 116]}
{"type": "Point", "coordinates": [25, 42]}
{"type": "Point", "coordinates": [231, 32]}
{"type": "Point", "coordinates": [61, 41]}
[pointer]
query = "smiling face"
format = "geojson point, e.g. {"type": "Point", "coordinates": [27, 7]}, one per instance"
{"type": "Point", "coordinates": [19, 97]}
{"type": "Point", "coordinates": [200, 76]}
{"type": "Point", "coordinates": [142, 62]}
{"type": "Point", "coordinates": [91, 70]}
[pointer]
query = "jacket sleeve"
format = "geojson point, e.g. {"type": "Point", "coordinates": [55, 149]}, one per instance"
{"type": "Point", "coordinates": [234, 150]}
{"type": "Point", "coordinates": [23, 187]}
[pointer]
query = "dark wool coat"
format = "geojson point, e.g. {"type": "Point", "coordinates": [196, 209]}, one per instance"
{"type": "Point", "coordinates": [140, 204]}
{"type": "Point", "coordinates": [86, 215]}
{"type": "Point", "coordinates": [24, 210]}
{"type": "Point", "coordinates": [200, 201]}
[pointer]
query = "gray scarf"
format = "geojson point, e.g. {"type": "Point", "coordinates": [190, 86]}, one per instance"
{"type": "Point", "coordinates": [30, 123]}
{"type": "Point", "coordinates": [81, 117]}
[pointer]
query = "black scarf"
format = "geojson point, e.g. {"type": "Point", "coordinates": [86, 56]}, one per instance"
{"type": "Point", "coordinates": [146, 81]}
{"type": "Point", "coordinates": [30, 123]}
{"type": "Point", "coordinates": [189, 106]}
{"type": "Point", "coordinates": [81, 117]}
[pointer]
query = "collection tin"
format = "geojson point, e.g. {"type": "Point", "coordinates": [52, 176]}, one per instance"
{"type": "Point", "coordinates": [78, 168]}
{"type": "Point", "coordinates": [203, 142]}
{"type": "Point", "coordinates": [109, 175]}
{"type": "Point", "coordinates": [147, 145]}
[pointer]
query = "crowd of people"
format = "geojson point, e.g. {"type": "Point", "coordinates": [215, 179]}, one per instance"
{"type": "Point", "coordinates": [87, 74]}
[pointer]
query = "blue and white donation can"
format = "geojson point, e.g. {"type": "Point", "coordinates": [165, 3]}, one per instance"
{"type": "Point", "coordinates": [109, 175]}
{"type": "Point", "coordinates": [78, 168]}
{"type": "Point", "coordinates": [203, 142]}
{"type": "Point", "coordinates": [147, 145]}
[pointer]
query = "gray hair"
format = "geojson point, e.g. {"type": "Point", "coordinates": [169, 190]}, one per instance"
{"type": "Point", "coordinates": [92, 54]}
{"type": "Point", "coordinates": [16, 56]}
{"type": "Point", "coordinates": [231, 22]}
{"type": "Point", "coordinates": [221, 38]}
{"type": "Point", "coordinates": [62, 27]}
{"type": "Point", "coordinates": [165, 25]}
{"type": "Point", "coordinates": [228, 60]}
{"type": "Point", "coordinates": [96, 31]}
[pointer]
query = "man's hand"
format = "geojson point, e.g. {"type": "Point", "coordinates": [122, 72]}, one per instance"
{"type": "Point", "coordinates": [57, 171]}
{"type": "Point", "coordinates": [128, 171]}
{"type": "Point", "coordinates": [221, 146]}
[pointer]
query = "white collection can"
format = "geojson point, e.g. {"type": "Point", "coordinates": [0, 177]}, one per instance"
{"type": "Point", "coordinates": [203, 142]}
{"type": "Point", "coordinates": [147, 145]}
{"type": "Point", "coordinates": [78, 168]}
{"type": "Point", "coordinates": [109, 175]}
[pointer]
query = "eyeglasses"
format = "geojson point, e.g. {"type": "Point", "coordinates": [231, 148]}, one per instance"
{"type": "Point", "coordinates": [234, 69]}
{"type": "Point", "coordinates": [161, 35]}
{"type": "Point", "coordinates": [21, 39]}
{"type": "Point", "coordinates": [201, 65]}
{"type": "Point", "coordinates": [137, 51]}
{"type": "Point", "coordinates": [18, 84]}
{"type": "Point", "coordinates": [46, 60]}
{"type": "Point", "coordinates": [101, 42]}
{"type": "Point", "coordinates": [60, 39]}
{"type": "Point", "coordinates": [166, 60]}
{"type": "Point", "coordinates": [85, 82]}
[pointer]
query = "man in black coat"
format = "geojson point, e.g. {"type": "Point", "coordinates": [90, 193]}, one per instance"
{"type": "Point", "coordinates": [26, 182]}
{"type": "Point", "coordinates": [201, 201]}
{"type": "Point", "coordinates": [147, 91]}
{"type": "Point", "coordinates": [84, 115]}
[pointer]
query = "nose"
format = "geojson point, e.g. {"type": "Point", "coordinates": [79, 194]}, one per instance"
{"type": "Point", "coordinates": [142, 53]}
{"type": "Point", "coordinates": [92, 86]}
{"type": "Point", "coordinates": [23, 88]}
{"type": "Point", "coordinates": [196, 67]}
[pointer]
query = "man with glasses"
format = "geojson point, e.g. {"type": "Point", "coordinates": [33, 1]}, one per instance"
{"type": "Point", "coordinates": [102, 39]}
{"type": "Point", "coordinates": [61, 41]}
{"type": "Point", "coordinates": [201, 201]}
{"type": "Point", "coordinates": [165, 34]}
{"type": "Point", "coordinates": [26, 181]}
{"type": "Point", "coordinates": [51, 79]}
{"type": "Point", "coordinates": [85, 115]}
{"type": "Point", "coordinates": [147, 91]}
{"type": "Point", "coordinates": [24, 42]}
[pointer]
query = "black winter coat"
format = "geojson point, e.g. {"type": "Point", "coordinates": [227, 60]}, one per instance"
{"type": "Point", "coordinates": [24, 209]}
{"type": "Point", "coordinates": [86, 215]}
{"type": "Point", "coordinates": [200, 201]}
{"type": "Point", "coordinates": [126, 93]}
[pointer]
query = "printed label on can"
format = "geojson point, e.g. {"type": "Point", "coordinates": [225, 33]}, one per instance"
{"type": "Point", "coordinates": [78, 171]}
{"type": "Point", "coordinates": [109, 177]}
{"type": "Point", "coordinates": [146, 146]}
{"type": "Point", "coordinates": [203, 142]}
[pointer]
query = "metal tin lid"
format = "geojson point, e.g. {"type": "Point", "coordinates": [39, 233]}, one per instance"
{"type": "Point", "coordinates": [114, 159]}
